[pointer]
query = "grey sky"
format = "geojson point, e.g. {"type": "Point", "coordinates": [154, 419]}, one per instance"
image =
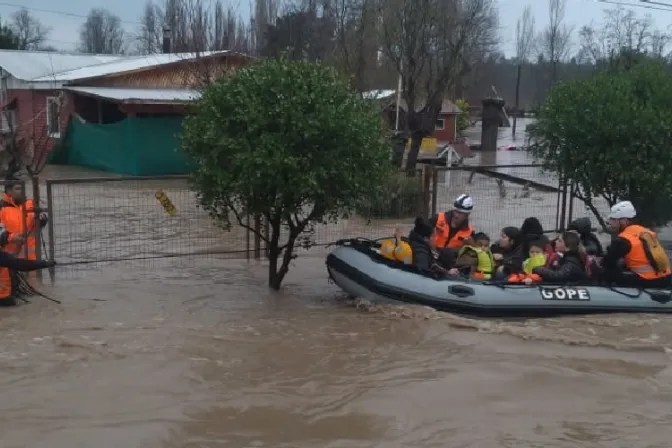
{"type": "Point", "coordinates": [65, 29]}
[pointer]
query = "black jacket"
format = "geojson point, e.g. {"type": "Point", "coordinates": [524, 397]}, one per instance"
{"type": "Point", "coordinates": [422, 252]}
{"type": "Point", "coordinates": [512, 259]}
{"type": "Point", "coordinates": [570, 269]}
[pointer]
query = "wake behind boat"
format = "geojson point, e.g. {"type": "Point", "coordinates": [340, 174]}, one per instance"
{"type": "Point", "coordinates": [358, 269]}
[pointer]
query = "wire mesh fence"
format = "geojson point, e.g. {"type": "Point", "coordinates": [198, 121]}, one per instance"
{"type": "Point", "coordinates": [104, 219]}
{"type": "Point", "coordinates": [504, 195]}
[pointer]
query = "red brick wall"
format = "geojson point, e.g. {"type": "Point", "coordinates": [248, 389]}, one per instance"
{"type": "Point", "coordinates": [31, 117]}
{"type": "Point", "coordinates": [447, 134]}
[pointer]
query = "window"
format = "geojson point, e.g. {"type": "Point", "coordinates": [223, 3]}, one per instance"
{"type": "Point", "coordinates": [53, 117]}
{"type": "Point", "coordinates": [440, 125]}
{"type": "Point", "coordinates": [8, 121]}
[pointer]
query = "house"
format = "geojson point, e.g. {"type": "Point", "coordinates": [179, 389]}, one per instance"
{"type": "Point", "coordinates": [115, 113]}
{"type": "Point", "coordinates": [445, 130]}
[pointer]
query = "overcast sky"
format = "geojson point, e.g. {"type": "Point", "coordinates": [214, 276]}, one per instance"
{"type": "Point", "coordinates": [65, 27]}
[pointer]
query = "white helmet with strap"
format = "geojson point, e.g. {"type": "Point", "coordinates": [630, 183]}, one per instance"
{"type": "Point", "coordinates": [464, 204]}
{"type": "Point", "coordinates": [623, 210]}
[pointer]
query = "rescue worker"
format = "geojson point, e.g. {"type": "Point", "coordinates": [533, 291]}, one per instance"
{"type": "Point", "coordinates": [22, 241]}
{"type": "Point", "coordinates": [646, 261]}
{"type": "Point", "coordinates": [452, 231]}
{"type": "Point", "coordinates": [9, 263]}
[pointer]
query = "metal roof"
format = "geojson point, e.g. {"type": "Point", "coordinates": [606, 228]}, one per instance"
{"type": "Point", "coordinates": [122, 65]}
{"type": "Point", "coordinates": [28, 65]}
{"type": "Point", "coordinates": [378, 94]}
{"type": "Point", "coordinates": [129, 95]}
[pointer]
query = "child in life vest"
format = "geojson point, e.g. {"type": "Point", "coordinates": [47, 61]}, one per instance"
{"type": "Point", "coordinates": [536, 259]}
{"type": "Point", "coordinates": [396, 249]}
{"type": "Point", "coordinates": [476, 261]}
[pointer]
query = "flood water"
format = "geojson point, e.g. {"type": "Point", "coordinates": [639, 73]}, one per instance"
{"type": "Point", "coordinates": [196, 352]}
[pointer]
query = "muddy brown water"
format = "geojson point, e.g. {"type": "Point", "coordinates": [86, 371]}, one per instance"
{"type": "Point", "coordinates": [196, 352]}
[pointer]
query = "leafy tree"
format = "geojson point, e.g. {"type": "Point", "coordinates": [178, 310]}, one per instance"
{"type": "Point", "coordinates": [289, 141]}
{"type": "Point", "coordinates": [463, 121]}
{"type": "Point", "coordinates": [610, 136]}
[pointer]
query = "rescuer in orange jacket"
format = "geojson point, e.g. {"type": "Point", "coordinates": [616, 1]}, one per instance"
{"type": "Point", "coordinates": [18, 215]}
{"type": "Point", "coordinates": [452, 231]}
{"type": "Point", "coordinates": [10, 263]}
{"type": "Point", "coordinates": [646, 261]}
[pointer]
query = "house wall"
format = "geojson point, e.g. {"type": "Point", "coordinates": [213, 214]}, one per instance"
{"type": "Point", "coordinates": [31, 120]}
{"type": "Point", "coordinates": [449, 131]}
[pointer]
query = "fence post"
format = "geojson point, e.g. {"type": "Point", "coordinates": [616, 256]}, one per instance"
{"type": "Point", "coordinates": [36, 211]}
{"type": "Point", "coordinates": [257, 237]}
{"type": "Point", "coordinates": [426, 185]}
{"type": "Point", "coordinates": [50, 223]}
{"type": "Point", "coordinates": [247, 237]}
{"type": "Point", "coordinates": [435, 186]}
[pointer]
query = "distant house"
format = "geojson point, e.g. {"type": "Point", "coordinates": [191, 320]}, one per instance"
{"type": "Point", "coordinates": [445, 130]}
{"type": "Point", "coordinates": [116, 113]}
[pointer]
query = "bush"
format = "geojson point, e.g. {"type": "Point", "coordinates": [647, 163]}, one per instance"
{"type": "Point", "coordinates": [401, 197]}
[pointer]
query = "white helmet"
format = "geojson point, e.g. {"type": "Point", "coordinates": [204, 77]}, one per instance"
{"type": "Point", "coordinates": [464, 204]}
{"type": "Point", "coordinates": [623, 210]}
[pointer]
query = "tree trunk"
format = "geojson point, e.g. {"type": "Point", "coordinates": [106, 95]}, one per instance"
{"type": "Point", "coordinates": [277, 274]}
{"type": "Point", "coordinates": [412, 158]}
{"type": "Point", "coordinates": [515, 116]}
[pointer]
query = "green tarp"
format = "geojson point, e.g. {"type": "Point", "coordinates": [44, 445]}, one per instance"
{"type": "Point", "coordinates": [134, 146]}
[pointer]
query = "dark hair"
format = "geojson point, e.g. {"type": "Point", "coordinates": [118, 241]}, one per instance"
{"type": "Point", "coordinates": [422, 227]}
{"type": "Point", "coordinates": [481, 236]}
{"type": "Point", "coordinates": [532, 226]}
{"type": "Point", "coordinates": [11, 182]}
{"type": "Point", "coordinates": [572, 240]}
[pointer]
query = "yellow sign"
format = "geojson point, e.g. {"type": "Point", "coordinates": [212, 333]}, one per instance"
{"type": "Point", "coordinates": [166, 203]}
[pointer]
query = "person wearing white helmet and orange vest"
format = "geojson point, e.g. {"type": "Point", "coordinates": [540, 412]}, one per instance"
{"type": "Point", "coordinates": [646, 261]}
{"type": "Point", "coordinates": [452, 230]}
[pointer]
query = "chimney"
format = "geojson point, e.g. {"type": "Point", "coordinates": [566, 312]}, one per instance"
{"type": "Point", "coordinates": [166, 39]}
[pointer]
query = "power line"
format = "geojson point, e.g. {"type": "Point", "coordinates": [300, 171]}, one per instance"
{"type": "Point", "coordinates": [642, 4]}
{"type": "Point", "coordinates": [60, 13]}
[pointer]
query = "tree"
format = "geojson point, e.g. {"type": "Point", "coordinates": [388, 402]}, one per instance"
{"type": "Point", "coordinates": [607, 135]}
{"type": "Point", "coordinates": [102, 33]}
{"type": "Point", "coordinates": [8, 39]}
{"type": "Point", "coordinates": [524, 46]}
{"type": "Point", "coordinates": [31, 33]}
{"type": "Point", "coordinates": [556, 39]}
{"type": "Point", "coordinates": [300, 35]}
{"type": "Point", "coordinates": [463, 121]}
{"type": "Point", "coordinates": [430, 44]}
{"type": "Point", "coordinates": [288, 141]}
{"type": "Point", "coordinates": [150, 35]}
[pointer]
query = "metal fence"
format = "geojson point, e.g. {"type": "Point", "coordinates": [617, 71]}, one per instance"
{"type": "Point", "coordinates": [108, 219]}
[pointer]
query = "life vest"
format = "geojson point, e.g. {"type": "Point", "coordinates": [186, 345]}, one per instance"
{"type": "Point", "coordinates": [647, 257]}
{"type": "Point", "coordinates": [12, 216]}
{"type": "Point", "coordinates": [529, 264]}
{"type": "Point", "coordinates": [5, 284]}
{"type": "Point", "coordinates": [486, 263]}
{"type": "Point", "coordinates": [442, 237]}
{"type": "Point", "coordinates": [396, 249]}
{"type": "Point", "coordinates": [537, 261]}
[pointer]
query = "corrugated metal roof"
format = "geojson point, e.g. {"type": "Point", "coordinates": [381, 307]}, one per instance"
{"type": "Point", "coordinates": [166, 96]}
{"type": "Point", "coordinates": [378, 94]}
{"type": "Point", "coordinates": [124, 65]}
{"type": "Point", "coordinates": [28, 65]}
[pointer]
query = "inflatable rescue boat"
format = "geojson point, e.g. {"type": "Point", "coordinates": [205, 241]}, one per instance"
{"type": "Point", "coordinates": [358, 269]}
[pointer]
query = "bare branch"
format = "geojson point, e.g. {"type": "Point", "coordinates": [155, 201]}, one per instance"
{"type": "Point", "coordinates": [31, 33]}
{"type": "Point", "coordinates": [102, 33]}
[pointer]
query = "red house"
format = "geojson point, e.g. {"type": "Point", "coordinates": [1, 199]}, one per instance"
{"type": "Point", "coordinates": [446, 123]}
{"type": "Point", "coordinates": [46, 95]}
